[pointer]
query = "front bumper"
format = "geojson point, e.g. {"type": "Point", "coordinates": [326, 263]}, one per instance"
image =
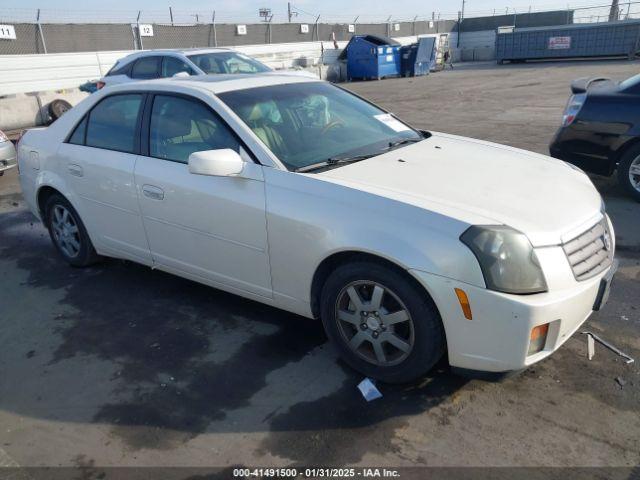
{"type": "Point", "coordinates": [497, 338]}
{"type": "Point", "coordinates": [7, 156]}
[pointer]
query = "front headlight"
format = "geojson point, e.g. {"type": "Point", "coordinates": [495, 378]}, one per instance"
{"type": "Point", "coordinates": [507, 259]}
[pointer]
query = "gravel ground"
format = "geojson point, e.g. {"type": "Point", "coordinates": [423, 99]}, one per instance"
{"type": "Point", "coordinates": [119, 365]}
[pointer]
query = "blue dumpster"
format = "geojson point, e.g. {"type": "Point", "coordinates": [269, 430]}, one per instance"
{"type": "Point", "coordinates": [418, 58]}
{"type": "Point", "coordinates": [370, 56]}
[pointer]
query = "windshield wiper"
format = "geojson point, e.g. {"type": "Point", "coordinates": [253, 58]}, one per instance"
{"type": "Point", "coordinates": [404, 141]}
{"type": "Point", "coordinates": [334, 161]}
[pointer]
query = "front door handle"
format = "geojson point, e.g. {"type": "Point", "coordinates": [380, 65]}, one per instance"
{"type": "Point", "coordinates": [152, 192]}
{"type": "Point", "coordinates": [75, 170]}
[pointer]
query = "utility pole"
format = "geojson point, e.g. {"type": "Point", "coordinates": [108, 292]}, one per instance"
{"type": "Point", "coordinates": [614, 12]}
{"type": "Point", "coordinates": [460, 19]}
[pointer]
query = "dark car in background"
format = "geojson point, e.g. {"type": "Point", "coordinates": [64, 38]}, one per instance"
{"type": "Point", "coordinates": [600, 130]}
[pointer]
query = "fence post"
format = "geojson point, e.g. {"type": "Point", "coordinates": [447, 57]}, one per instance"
{"type": "Point", "coordinates": [171, 15]}
{"type": "Point", "coordinates": [138, 30]}
{"type": "Point", "coordinates": [215, 34]}
{"type": "Point", "coordinates": [414, 25]}
{"type": "Point", "coordinates": [44, 44]}
{"type": "Point", "coordinates": [316, 29]}
{"type": "Point", "coordinates": [355, 25]}
{"type": "Point", "coordinates": [389, 26]}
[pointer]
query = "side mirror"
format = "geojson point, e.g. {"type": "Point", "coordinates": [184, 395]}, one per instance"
{"type": "Point", "coordinates": [216, 163]}
{"type": "Point", "coordinates": [181, 75]}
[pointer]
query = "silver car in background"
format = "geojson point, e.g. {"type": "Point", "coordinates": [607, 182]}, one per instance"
{"type": "Point", "coordinates": [153, 64]}
{"type": "Point", "coordinates": [7, 153]}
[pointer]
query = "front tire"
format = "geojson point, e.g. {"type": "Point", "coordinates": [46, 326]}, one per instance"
{"type": "Point", "coordinates": [381, 323]}
{"type": "Point", "coordinates": [629, 172]}
{"type": "Point", "coordinates": [68, 233]}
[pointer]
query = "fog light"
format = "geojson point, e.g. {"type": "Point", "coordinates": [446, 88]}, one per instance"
{"type": "Point", "coordinates": [464, 303]}
{"type": "Point", "coordinates": [538, 338]}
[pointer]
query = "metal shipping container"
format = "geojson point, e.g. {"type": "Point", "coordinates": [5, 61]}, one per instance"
{"type": "Point", "coordinates": [570, 41]}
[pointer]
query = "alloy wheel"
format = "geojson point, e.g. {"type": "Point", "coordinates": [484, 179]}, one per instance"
{"type": "Point", "coordinates": [374, 323]}
{"type": "Point", "coordinates": [634, 173]}
{"type": "Point", "coordinates": [65, 231]}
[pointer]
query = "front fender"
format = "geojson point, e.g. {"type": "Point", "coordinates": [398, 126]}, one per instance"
{"type": "Point", "coordinates": [309, 221]}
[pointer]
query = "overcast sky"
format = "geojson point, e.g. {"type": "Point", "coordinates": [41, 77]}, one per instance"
{"type": "Point", "coordinates": [246, 10]}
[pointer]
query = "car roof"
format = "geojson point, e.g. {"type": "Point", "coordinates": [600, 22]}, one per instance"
{"type": "Point", "coordinates": [166, 51]}
{"type": "Point", "coordinates": [215, 84]}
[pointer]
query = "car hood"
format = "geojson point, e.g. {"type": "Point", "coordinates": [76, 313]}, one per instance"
{"type": "Point", "coordinates": [479, 182]}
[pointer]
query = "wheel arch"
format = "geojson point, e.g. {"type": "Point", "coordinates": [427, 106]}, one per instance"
{"type": "Point", "coordinates": [43, 194]}
{"type": "Point", "coordinates": [622, 151]}
{"type": "Point", "coordinates": [330, 263]}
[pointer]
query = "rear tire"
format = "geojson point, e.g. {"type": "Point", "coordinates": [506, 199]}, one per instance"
{"type": "Point", "coordinates": [630, 163]}
{"type": "Point", "coordinates": [68, 233]}
{"type": "Point", "coordinates": [362, 331]}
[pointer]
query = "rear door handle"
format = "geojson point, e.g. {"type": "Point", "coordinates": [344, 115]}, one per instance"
{"type": "Point", "coordinates": [152, 192]}
{"type": "Point", "coordinates": [75, 170]}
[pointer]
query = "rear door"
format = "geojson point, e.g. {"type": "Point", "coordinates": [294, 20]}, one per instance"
{"type": "Point", "coordinates": [211, 228]}
{"type": "Point", "coordinates": [146, 68]}
{"type": "Point", "coordinates": [99, 159]}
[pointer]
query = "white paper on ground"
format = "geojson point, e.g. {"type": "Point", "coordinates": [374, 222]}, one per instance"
{"type": "Point", "coordinates": [369, 390]}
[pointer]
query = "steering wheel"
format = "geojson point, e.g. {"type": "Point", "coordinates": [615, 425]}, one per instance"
{"type": "Point", "coordinates": [331, 126]}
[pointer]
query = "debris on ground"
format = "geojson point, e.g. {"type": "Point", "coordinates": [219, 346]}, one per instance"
{"type": "Point", "coordinates": [591, 347]}
{"type": "Point", "coordinates": [614, 349]}
{"type": "Point", "coordinates": [369, 390]}
{"type": "Point", "coordinates": [621, 381]}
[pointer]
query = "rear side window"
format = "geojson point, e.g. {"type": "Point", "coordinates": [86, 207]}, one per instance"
{"type": "Point", "coordinates": [173, 65]}
{"type": "Point", "coordinates": [113, 122]}
{"type": "Point", "coordinates": [146, 68]}
{"type": "Point", "coordinates": [120, 69]}
{"type": "Point", "coordinates": [77, 138]}
{"type": "Point", "coordinates": [180, 127]}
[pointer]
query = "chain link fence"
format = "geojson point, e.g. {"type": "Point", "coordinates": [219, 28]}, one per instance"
{"type": "Point", "coordinates": [141, 33]}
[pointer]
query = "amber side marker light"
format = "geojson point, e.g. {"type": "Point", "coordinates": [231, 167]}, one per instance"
{"type": "Point", "coordinates": [464, 303]}
{"type": "Point", "coordinates": [538, 338]}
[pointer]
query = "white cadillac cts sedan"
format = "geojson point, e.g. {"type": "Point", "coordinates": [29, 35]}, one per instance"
{"type": "Point", "coordinates": [295, 193]}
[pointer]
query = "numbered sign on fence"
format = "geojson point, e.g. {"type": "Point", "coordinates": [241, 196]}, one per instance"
{"type": "Point", "coordinates": [304, 28]}
{"type": "Point", "coordinates": [7, 32]}
{"type": "Point", "coordinates": [146, 30]}
{"type": "Point", "coordinates": [241, 29]}
{"type": "Point", "coordinates": [352, 28]}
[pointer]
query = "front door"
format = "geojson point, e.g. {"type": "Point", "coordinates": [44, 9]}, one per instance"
{"type": "Point", "coordinates": [213, 228]}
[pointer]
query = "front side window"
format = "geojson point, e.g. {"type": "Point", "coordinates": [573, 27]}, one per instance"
{"type": "Point", "coordinates": [146, 68]}
{"type": "Point", "coordinates": [227, 62]}
{"type": "Point", "coordinates": [173, 65]}
{"type": "Point", "coordinates": [180, 127]}
{"type": "Point", "coordinates": [112, 123]}
{"type": "Point", "coordinates": [304, 124]}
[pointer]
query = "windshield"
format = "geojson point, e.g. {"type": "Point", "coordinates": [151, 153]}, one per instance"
{"type": "Point", "coordinates": [307, 123]}
{"type": "Point", "coordinates": [227, 62]}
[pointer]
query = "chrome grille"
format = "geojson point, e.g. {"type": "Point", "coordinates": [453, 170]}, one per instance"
{"type": "Point", "coordinates": [590, 252]}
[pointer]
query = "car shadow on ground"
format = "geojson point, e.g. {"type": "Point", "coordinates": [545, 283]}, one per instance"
{"type": "Point", "coordinates": [174, 359]}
